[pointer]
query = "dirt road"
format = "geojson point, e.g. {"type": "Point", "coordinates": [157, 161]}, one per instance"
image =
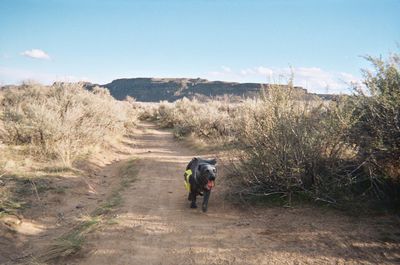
{"type": "Point", "coordinates": [156, 226]}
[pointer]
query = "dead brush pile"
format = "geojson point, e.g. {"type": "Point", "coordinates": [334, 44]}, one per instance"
{"type": "Point", "coordinates": [64, 120]}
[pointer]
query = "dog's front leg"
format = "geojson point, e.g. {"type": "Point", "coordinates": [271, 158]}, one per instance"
{"type": "Point", "coordinates": [205, 200]}
{"type": "Point", "coordinates": [193, 196]}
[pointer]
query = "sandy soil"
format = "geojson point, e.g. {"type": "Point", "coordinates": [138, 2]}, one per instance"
{"type": "Point", "coordinates": [156, 226]}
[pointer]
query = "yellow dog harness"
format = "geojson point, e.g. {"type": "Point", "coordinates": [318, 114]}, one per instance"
{"type": "Point", "coordinates": [187, 175]}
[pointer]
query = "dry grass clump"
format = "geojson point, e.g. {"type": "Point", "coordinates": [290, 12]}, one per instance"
{"type": "Point", "coordinates": [64, 120]}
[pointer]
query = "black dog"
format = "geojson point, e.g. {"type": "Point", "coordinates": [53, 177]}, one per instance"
{"type": "Point", "coordinates": [201, 175]}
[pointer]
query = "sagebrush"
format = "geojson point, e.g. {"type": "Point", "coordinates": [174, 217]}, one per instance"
{"type": "Point", "coordinates": [338, 151]}
{"type": "Point", "coordinates": [63, 120]}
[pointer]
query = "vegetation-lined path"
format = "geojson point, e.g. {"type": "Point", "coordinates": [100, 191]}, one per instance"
{"type": "Point", "coordinates": [156, 226]}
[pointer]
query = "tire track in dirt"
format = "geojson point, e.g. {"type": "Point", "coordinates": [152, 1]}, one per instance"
{"type": "Point", "coordinates": [156, 226]}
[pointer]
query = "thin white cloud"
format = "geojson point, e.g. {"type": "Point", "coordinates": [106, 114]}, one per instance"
{"type": "Point", "coordinates": [247, 71]}
{"type": "Point", "coordinates": [36, 54]}
{"type": "Point", "coordinates": [264, 70]}
{"type": "Point", "coordinates": [16, 76]}
{"type": "Point", "coordinates": [312, 78]}
{"type": "Point", "coordinates": [225, 70]}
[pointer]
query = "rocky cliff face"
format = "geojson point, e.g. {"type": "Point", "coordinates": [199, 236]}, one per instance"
{"type": "Point", "coordinates": [170, 89]}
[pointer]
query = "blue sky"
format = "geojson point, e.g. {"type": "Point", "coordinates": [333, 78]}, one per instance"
{"type": "Point", "coordinates": [245, 41]}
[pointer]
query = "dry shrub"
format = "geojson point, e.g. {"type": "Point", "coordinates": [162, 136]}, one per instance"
{"type": "Point", "coordinates": [63, 120]}
{"type": "Point", "coordinates": [147, 111]}
{"type": "Point", "coordinates": [288, 145]}
{"type": "Point", "coordinates": [346, 150]}
{"type": "Point", "coordinates": [342, 151]}
{"type": "Point", "coordinates": [376, 130]}
{"type": "Point", "coordinates": [207, 120]}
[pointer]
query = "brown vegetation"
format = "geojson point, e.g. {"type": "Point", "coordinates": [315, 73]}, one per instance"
{"type": "Point", "coordinates": [341, 151]}
{"type": "Point", "coordinates": [48, 135]}
{"type": "Point", "coordinates": [283, 144]}
{"type": "Point", "coordinates": [64, 120]}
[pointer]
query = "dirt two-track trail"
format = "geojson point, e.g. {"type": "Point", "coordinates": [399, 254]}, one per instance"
{"type": "Point", "coordinates": [155, 225]}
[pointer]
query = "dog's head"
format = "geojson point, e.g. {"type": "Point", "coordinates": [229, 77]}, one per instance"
{"type": "Point", "coordinates": [208, 171]}
{"type": "Point", "coordinates": [208, 174]}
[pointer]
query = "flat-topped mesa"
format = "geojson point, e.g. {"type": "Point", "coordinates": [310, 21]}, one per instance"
{"type": "Point", "coordinates": [171, 89]}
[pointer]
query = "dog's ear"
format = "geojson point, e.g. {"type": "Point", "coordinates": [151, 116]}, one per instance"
{"type": "Point", "coordinates": [200, 168]}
